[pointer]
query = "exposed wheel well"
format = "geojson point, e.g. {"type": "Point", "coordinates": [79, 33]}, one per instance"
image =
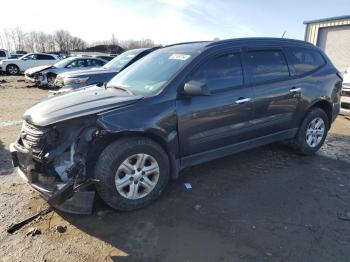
{"type": "Point", "coordinates": [51, 74]}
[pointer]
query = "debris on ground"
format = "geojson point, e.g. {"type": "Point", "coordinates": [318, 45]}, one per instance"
{"type": "Point", "coordinates": [20, 80]}
{"type": "Point", "coordinates": [344, 215]}
{"type": "Point", "coordinates": [268, 254]}
{"type": "Point", "coordinates": [61, 229]}
{"type": "Point", "coordinates": [33, 231]}
{"type": "Point", "coordinates": [188, 185]}
{"type": "Point", "coordinates": [197, 207]}
{"type": "Point", "coordinates": [13, 228]}
{"type": "Point", "coordinates": [3, 81]}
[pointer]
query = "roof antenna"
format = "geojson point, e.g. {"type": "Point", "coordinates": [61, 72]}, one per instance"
{"type": "Point", "coordinates": [283, 34]}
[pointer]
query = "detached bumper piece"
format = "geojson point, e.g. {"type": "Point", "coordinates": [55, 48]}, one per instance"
{"type": "Point", "coordinates": [73, 196]}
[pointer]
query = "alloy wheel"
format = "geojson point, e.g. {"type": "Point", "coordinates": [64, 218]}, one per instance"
{"type": "Point", "coordinates": [315, 132]}
{"type": "Point", "coordinates": [12, 70]}
{"type": "Point", "coordinates": [137, 176]}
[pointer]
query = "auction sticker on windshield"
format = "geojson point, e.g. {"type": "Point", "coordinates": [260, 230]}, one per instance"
{"type": "Point", "coordinates": [179, 57]}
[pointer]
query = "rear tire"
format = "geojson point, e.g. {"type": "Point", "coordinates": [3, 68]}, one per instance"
{"type": "Point", "coordinates": [312, 132]}
{"type": "Point", "coordinates": [123, 183]}
{"type": "Point", "coordinates": [12, 69]}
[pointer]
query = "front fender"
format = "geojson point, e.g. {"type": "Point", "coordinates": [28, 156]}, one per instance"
{"type": "Point", "coordinates": [155, 120]}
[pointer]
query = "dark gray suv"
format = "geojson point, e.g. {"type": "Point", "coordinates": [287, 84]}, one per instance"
{"type": "Point", "coordinates": [179, 106]}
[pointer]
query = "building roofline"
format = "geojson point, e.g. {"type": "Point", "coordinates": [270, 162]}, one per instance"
{"type": "Point", "coordinates": [326, 19]}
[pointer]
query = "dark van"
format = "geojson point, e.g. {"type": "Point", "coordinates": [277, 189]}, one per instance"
{"type": "Point", "coordinates": [179, 106]}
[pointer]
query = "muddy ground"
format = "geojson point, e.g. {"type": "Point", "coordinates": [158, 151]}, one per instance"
{"type": "Point", "coordinates": [266, 204]}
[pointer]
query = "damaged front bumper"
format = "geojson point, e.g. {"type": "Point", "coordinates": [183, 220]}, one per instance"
{"type": "Point", "coordinates": [36, 78]}
{"type": "Point", "coordinates": [76, 195]}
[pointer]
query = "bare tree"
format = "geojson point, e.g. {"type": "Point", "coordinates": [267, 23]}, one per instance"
{"type": "Point", "coordinates": [7, 39]}
{"type": "Point", "coordinates": [1, 42]}
{"type": "Point", "coordinates": [31, 41]}
{"type": "Point", "coordinates": [41, 42]}
{"type": "Point", "coordinates": [62, 38]}
{"type": "Point", "coordinates": [17, 37]}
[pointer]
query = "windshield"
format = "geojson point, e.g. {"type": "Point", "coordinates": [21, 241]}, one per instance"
{"type": "Point", "coordinates": [122, 60]}
{"type": "Point", "coordinates": [150, 74]}
{"type": "Point", "coordinates": [64, 62]}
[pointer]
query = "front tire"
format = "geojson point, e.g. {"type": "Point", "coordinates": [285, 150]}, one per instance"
{"type": "Point", "coordinates": [12, 69]}
{"type": "Point", "coordinates": [312, 132]}
{"type": "Point", "coordinates": [51, 80]}
{"type": "Point", "coordinates": [132, 173]}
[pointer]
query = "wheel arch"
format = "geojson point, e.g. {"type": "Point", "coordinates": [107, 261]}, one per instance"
{"type": "Point", "coordinates": [106, 139]}
{"type": "Point", "coordinates": [12, 64]}
{"type": "Point", "coordinates": [323, 104]}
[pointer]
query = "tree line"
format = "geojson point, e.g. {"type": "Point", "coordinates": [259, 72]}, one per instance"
{"type": "Point", "coordinates": [60, 40]}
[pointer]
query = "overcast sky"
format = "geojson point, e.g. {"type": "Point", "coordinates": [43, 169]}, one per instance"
{"type": "Point", "coordinates": [167, 21]}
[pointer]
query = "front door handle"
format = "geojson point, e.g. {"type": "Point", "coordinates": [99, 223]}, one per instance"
{"type": "Point", "coordinates": [295, 90]}
{"type": "Point", "coordinates": [242, 100]}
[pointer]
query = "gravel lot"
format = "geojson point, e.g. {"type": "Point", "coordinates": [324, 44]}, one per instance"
{"type": "Point", "coordinates": [266, 204]}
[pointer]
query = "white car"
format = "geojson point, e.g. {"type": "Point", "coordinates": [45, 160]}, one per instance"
{"type": "Point", "coordinates": [15, 66]}
{"type": "Point", "coordinates": [46, 75]}
{"type": "Point", "coordinates": [345, 94]}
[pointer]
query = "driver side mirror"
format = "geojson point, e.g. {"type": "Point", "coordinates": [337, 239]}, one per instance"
{"type": "Point", "coordinates": [195, 88]}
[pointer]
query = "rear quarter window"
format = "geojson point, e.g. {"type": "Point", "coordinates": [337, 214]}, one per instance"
{"type": "Point", "coordinates": [266, 65]}
{"type": "Point", "coordinates": [305, 60]}
{"type": "Point", "coordinates": [2, 54]}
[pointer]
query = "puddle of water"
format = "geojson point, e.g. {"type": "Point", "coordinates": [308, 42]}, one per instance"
{"type": "Point", "coordinates": [10, 122]}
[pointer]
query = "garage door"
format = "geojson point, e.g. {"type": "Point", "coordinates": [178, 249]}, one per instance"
{"type": "Point", "coordinates": [335, 41]}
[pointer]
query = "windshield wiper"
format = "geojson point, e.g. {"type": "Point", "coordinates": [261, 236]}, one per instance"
{"type": "Point", "coordinates": [122, 88]}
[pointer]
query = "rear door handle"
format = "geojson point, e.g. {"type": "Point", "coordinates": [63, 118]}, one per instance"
{"type": "Point", "coordinates": [242, 100]}
{"type": "Point", "coordinates": [295, 90]}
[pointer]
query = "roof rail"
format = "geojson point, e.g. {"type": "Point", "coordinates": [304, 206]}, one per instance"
{"type": "Point", "coordinates": [186, 43]}
{"type": "Point", "coordinates": [225, 41]}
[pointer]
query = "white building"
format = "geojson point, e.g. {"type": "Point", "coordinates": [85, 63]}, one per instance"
{"type": "Point", "coordinates": [333, 36]}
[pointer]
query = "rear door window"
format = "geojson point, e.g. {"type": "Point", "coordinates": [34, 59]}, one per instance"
{"type": "Point", "coordinates": [77, 63]}
{"type": "Point", "coordinates": [266, 65]}
{"type": "Point", "coordinates": [45, 57]}
{"type": "Point", "coordinates": [95, 62]}
{"type": "Point", "coordinates": [305, 60]}
{"type": "Point", "coordinates": [220, 73]}
{"type": "Point", "coordinates": [2, 54]}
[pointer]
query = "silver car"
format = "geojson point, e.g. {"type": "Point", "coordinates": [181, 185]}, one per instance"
{"type": "Point", "coordinates": [46, 75]}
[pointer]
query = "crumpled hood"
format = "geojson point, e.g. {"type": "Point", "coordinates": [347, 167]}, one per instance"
{"type": "Point", "coordinates": [37, 69]}
{"type": "Point", "coordinates": [78, 103]}
{"type": "Point", "coordinates": [87, 72]}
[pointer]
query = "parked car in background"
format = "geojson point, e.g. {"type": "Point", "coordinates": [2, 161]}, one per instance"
{"type": "Point", "coordinates": [179, 106]}
{"type": "Point", "coordinates": [15, 66]}
{"type": "Point", "coordinates": [4, 54]}
{"type": "Point", "coordinates": [17, 54]}
{"type": "Point", "coordinates": [76, 79]}
{"type": "Point", "coordinates": [345, 95]}
{"type": "Point", "coordinates": [46, 75]}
